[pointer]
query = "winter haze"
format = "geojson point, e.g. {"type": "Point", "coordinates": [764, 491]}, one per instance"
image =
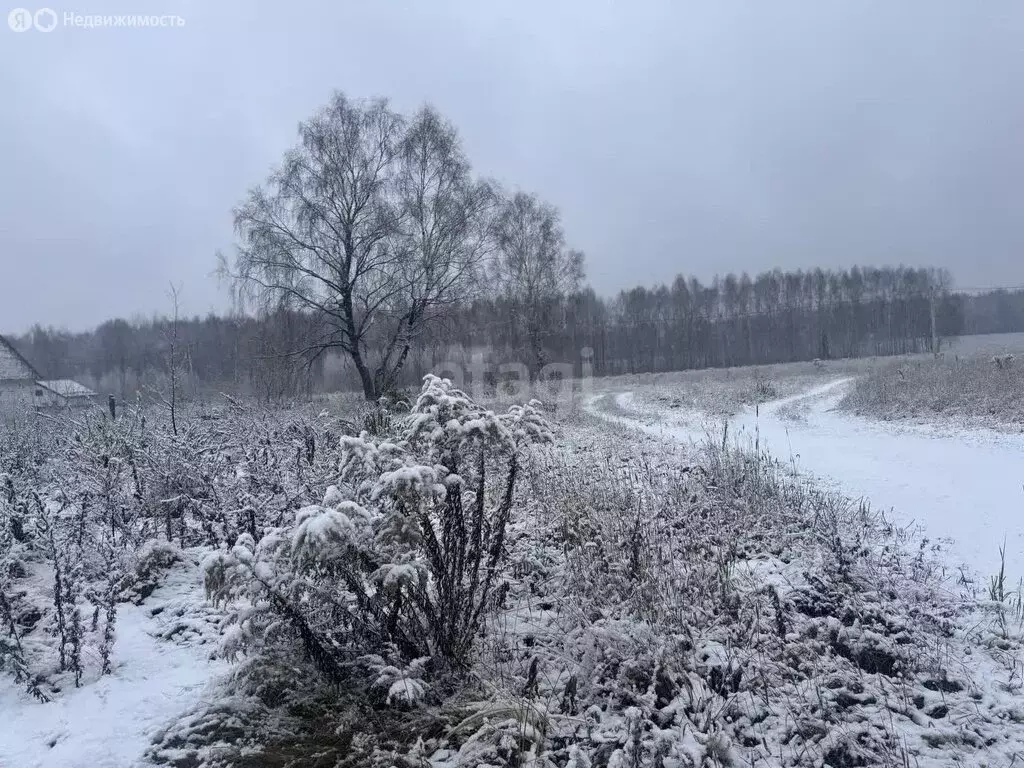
{"type": "Point", "coordinates": [694, 137]}
{"type": "Point", "coordinates": [618, 384]}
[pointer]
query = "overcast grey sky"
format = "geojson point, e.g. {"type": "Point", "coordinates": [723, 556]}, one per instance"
{"type": "Point", "coordinates": [699, 137]}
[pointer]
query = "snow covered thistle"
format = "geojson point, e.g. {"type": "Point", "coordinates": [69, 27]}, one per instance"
{"type": "Point", "coordinates": [401, 555]}
{"type": "Point", "coordinates": [462, 530]}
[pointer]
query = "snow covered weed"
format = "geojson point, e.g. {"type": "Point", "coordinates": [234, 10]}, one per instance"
{"type": "Point", "coordinates": [979, 391]}
{"type": "Point", "coordinates": [384, 584]}
{"type": "Point", "coordinates": [466, 588]}
{"type": "Point", "coordinates": [401, 555]}
{"type": "Point", "coordinates": [95, 512]}
{"type": "Point", "coordinates": [713, 609]}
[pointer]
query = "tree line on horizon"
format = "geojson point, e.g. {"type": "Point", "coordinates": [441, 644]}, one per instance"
{"type": "Point", "coordinates": [773, 317]}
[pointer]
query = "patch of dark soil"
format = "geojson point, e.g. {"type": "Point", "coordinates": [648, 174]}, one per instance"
{"type": "Point", "coordinates": [946, 686]}
{"type": "Point", "coordinates": [871, 660]}
{"type": "Point", "coordinates": [841, 757]}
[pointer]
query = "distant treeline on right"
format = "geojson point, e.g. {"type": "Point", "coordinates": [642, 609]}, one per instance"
{"type": "Point", "coordinates": [996, 311]}
{"type": "Point", "coordinates": [737, 320]}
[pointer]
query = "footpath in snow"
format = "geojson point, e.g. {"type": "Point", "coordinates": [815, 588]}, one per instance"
{"type": "Point", "coordinates": [961, 485]}
{"type": "Point", "coordinates": [108, 722]}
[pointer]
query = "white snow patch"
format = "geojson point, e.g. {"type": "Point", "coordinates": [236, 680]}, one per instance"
{"type": "Point", "coordinates": [108, 723]}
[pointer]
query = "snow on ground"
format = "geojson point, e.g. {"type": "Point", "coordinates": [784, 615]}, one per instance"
{"type": "Point", "coordinates": [962, 707]}
{"type": "Point", "coordinates": [963, 485]}
{"type": "Point", "coordinates": [109, 722]}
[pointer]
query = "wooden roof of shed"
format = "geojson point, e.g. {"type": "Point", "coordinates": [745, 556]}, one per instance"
{"type": "Point", "coordinates": [14, 367]}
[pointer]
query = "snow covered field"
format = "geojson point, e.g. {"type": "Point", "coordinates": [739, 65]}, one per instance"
{"type": "Point", "coordinates": [677, 588]}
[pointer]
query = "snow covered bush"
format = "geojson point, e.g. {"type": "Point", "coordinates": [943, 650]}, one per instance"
{"type": "Point", "coordinates": [402, 686]}
{"type": "Point", "coordinates": [95, 512]}
{"type": "Point", "coordinates": [49, 538]}
{"type": "Point", "coordinates": [400, 558]}
{"type": "Point", "coordinates": [154, 558]}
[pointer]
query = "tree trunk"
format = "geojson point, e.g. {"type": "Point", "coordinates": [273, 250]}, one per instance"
{"type": "Point", "coordinates": [536, 352]}
{"type": "Point", "coordinates": [369, 385]}
{"type": "Point", "coordinates": [389, 379]}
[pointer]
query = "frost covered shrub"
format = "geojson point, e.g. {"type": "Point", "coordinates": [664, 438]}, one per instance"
{"type": "Point", "coordinates": [96, 511]}
{"type": "Point", "coordinates": [49, 536]}
{"type": "Point", "coordinates": [717, 612]}
{"type": "Point", "coordinates": [154, 558]}
{"type": "Point", "coordinates": [396, 565]}
{"type": "Point", "coordinates": [379, 420]}
{"type": "Point", "coordinates": [764, 390]}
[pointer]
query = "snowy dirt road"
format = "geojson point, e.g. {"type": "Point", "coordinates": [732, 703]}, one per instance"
{"type": "Point", "coordinates": [964, 487]}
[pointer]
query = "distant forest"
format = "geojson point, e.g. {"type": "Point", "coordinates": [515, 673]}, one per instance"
{"type": "Point", "coordinates": [732, 321]}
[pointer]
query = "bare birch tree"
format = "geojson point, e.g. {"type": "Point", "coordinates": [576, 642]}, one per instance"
{"type": "Point", "coordinates": [372, 224]}
{"type": "Point", "coordinates": [445, 226]}
{"type": "Point", "coordinates": [173, 355]}
{"type": "Point", "coordinates": [533, 268]}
